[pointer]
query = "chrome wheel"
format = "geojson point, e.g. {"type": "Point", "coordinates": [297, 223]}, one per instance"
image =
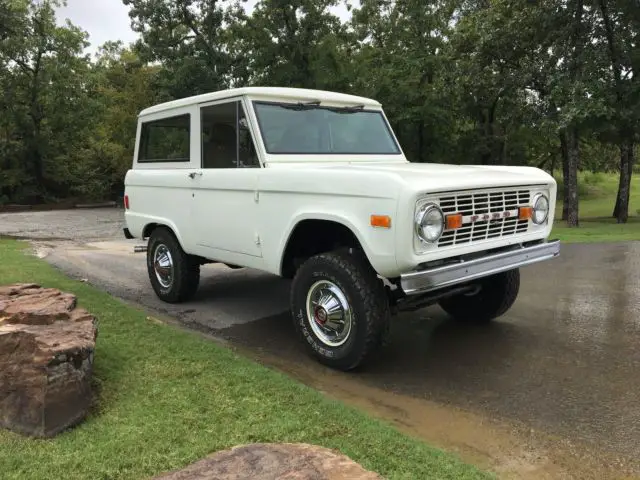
{"type": "Point", "coordinates": [163, 265]}
{"type": "Point", "coordinates": [329, 313]}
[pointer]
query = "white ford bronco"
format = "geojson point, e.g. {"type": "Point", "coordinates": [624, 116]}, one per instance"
{"type": "Point", "coordinates": [314, 186]}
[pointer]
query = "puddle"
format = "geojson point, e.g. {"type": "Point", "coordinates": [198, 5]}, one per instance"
{"type": "Point", "coordinates": [509, 450]}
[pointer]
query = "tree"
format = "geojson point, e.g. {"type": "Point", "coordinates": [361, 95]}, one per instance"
{"type": "Point", "coordinates": [572, 83]}
{"type": "Point", "coordinates": [399, 58]}
{"type": "Point", "coordinates": [123, 87]}
{"type": "Point", "coordinates": [45, 96]}
{"type": "Point", "coordinates": [287, 43]}
{"type": "Point", "coordinates": [490, 74]}
{"type": "Point", "coordinates": [620, 30]}
{"type": "Point", "coordinates": [536, 57]}
{"type": "Point", "coordinates": [187, 38]}
{"type": "Point", "coordinates": [541, 83]}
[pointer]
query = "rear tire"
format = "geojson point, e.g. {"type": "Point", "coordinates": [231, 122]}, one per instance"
{"type": "Point", "coordinates": [174, 274]}
{"type": "Point", "coordinates": [496, 296]}
{"type": "Point", "coordinates": [340, 309]}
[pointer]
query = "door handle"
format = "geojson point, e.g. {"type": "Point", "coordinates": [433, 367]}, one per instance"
{"type": "Point", "coordinates": [193, 175]}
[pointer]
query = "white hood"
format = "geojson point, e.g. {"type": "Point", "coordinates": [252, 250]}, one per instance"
{"type": "Point", "coordinates": [433, 177]}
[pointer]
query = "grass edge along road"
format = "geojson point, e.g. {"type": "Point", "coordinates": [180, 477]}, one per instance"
{"type": "Point", "coordinates": [597, 197]}
{"type": "Point", "coordinates": [168, 397]}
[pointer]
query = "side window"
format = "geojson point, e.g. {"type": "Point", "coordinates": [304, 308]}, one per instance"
{"type": "Point", "coordinates": [165, 140]}
{"type": "Point", "coordinates": [248, 157]}
{"type": "Point", "coordinates": [226, 139]}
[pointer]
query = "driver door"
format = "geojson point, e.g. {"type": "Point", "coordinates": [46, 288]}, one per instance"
{"type": "Point", "coordinates": [225, 211]}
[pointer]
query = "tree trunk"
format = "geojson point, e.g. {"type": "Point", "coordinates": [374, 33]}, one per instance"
{"type": "Point", "coordinates": [34, 150]}
{"type": "Point", "coordinates": [621, 210]}
{"type": "Point", "coordinates": [616, 207]}
{"type": "Point", "coordinates": [503, 151]}
{"type": "Point", "coordinates": [565, 173]}
{"type": "Point", "coordinates": [483, 132]}
{"type": "Point", "coordinates": [572, 140]}
{"type": "Point", "coordinates": [486, 157]}
{"type": "Point", "coordinates": [421, 141]}
{"type": "Point", "coordinates": [571, 177]}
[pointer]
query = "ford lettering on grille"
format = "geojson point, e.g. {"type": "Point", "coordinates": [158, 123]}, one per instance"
{"type": "Point", "coordinates": [489, 217]}
{"type": "Point", "coordinates": [486, 214]}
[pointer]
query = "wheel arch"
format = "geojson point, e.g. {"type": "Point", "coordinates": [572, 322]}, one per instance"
{"type": "Point", "coordinates": [299, 241]}
{"type": "Point", "coordinates": [149, 227]}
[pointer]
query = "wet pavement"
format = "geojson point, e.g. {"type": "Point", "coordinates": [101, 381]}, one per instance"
{"type": "Point", "coordinates": [551, 390]}
{"type": "Point", "coordinates": [565, 360]}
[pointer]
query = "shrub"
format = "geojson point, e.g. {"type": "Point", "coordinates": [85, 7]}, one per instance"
{"type": "Point", "coordinates": [592, 178]}
{"type": "Point", "coordinates": [585, 189]}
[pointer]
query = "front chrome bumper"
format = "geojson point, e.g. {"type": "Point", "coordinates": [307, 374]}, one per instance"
{"type": "Point", "coordinates": [425, 281]}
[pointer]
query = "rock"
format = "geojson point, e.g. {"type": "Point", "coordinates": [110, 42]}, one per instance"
{"type": "Point", "coordinates": [46, 360]}
{"type": "Point", "coordinates": [274, 461]}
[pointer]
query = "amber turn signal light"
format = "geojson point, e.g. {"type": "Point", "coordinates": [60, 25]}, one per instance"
{"type": "Point", "coordinates": [382, 221]}
{"type": "Point", "coordinates": [453, 222]}
{"type": "Point", "coordinates": [525, 213]}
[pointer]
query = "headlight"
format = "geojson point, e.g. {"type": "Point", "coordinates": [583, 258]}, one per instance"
{"type": "Point", "coordinates": [540, 209]}
{"type": "Point", "coordinates": [429, 223]}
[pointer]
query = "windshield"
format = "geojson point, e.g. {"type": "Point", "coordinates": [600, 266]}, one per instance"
{"type": "Point", "coordinates": [308, 128]}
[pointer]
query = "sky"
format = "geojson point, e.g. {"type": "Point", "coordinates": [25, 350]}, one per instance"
{"type": "Point", "coordinates": [109, 19]}
{"type": "Point", "coordinates": [103, 19]}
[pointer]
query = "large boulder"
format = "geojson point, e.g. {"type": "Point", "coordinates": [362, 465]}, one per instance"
{"type": "Point", "coordinates": [46, 360]}
{"type": "Point", "coordinates": [262, 461]}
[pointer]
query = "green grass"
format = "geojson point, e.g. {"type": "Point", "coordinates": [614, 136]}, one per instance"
{"type": "Point", "coordinates": [597, 199]}
{"type": "Point", "coordinates": [168, 397]}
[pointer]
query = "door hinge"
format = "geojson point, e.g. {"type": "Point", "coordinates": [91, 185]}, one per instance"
{"type": "Point", "coordinates": [258, 240]}
{"type": "Point", "coordinates": [256, 197]}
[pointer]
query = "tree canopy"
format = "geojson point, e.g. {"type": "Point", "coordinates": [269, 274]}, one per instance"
{"type": "Point", "coordinates": [548, 83]}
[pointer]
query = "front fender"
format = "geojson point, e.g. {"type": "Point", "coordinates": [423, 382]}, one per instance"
{"type": "Point", "coordinates": [377, 243]}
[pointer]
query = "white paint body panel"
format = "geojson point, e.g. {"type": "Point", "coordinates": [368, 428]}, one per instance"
{"type": "Point", "coordinates": [246, 216]}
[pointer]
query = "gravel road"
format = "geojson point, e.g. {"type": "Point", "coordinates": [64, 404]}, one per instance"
{"type": "Point", "coordinates": [77, 225]}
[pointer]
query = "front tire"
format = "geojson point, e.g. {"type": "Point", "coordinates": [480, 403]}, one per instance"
{"type": "Point", "coordinates": [495, 296]}
{"type": "Point", "coordinates": [174, 274]}
{"type": "Point", "coordinates": [340, 309]}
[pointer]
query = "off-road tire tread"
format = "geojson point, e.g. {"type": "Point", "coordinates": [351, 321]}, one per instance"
{"type": "Point", "coordinates": [471, 311]}
{"type": "Point", "coordinates": [512, 288]}
{"type": "Point", "coordinates": [370, 291]}
{"type": "Point", "coordinates": [187, 268]}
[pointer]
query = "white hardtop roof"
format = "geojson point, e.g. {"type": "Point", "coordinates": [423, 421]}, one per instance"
{"type": "Point", "coordinates": [271, 93]}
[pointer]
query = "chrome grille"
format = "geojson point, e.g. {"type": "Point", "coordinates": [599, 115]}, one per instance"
{"type": "Point", "coordinates": [480, 203]}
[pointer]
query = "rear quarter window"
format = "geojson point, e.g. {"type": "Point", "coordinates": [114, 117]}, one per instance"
{"type": "Point", "coordinates": [166, 140]}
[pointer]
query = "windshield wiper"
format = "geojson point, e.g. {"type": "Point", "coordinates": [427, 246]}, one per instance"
{"type": "Point", "coordinates": [316, 104]}
{"type": "Point", "coordinates": [301, 105]}
{"type": "Point", "coordinates": [350, 109]}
